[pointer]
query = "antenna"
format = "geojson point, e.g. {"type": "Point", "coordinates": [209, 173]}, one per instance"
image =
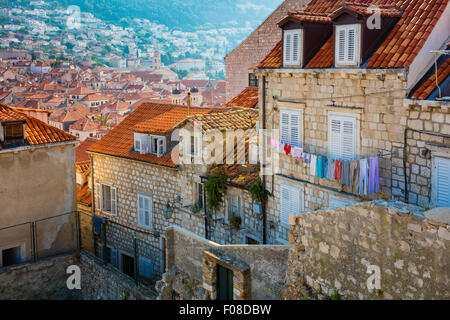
{"type": "Point", "coordinates": [188, 103]}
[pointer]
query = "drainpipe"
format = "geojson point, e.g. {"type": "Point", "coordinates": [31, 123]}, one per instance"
{"type": "Point", "coordinates": [93, 185]}
{"type": "Point", "coordinates": [263, 206]}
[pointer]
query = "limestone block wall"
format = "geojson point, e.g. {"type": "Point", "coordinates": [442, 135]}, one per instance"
{"type": "Point", "coordinates": [42, 280]}
{"type": "Point", "coordinates": [374, 97]}
{"type": "Point", "coordinates": [100, 282]}
{"type": "Point", "coordinates": [333, 249]}
{"type": "Point", "coordinates": [421, 147]}
{"type": "Point", "coordinates": [267, 263]}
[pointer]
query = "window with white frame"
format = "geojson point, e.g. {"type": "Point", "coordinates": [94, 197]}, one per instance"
{"type": "Point", "coordinates": [441, 182]}
{"type": "Point", "coordinates": [158, 146]}
{"type": "Point", "coordinates": [347, 44]}
{"type": "Point", "coordinates": [292, 50]}
{"type": "Point", "coordinates": [342, 135]}
{"type": "Point", "coordinates": [107, 196]}
{"type": "Point", "coordinates": [141, 143]}
{"type": "Point", "coordinates": [145, 210]}
{"type": "Point", "coordinates": [291, 202]}
{"type": "Point", "coordinates": [195, 146]}
{"type": "Point", "coordinates": [291, 127]}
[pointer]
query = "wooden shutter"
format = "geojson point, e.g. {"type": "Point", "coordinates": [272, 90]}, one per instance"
{"type": "Point", "coordinates": [113, 201]}
{"type": "Point", "coordinates": [291, 202]}
{"type": "Point", "coordinates": [145, 268]}
{"type": "Point", "coordinates": [114, 258]}
{"type": "Point", "coordinates": [160, 147]}
{"type": "Point", "coordinates": [147, 212]}
{"type": "Point", "coordinates": [342, 137]}
{"type": "Point", "coordinates": [284, 127]}
{"type": "Point", "coordinates": [296, 48]}
{"type": "Point", "coordinates": [442, 182]}
{"type": "Point", "coordinates": [140, 210]}
{"type": "Point", "coordinates": [351, 37]}
{"type": "Point", "coordinates": [341, 46]}
{"type": "Point", "coordinates": [98, 196]}
{"type": "Point", "coordinates": [347, 45]}
{"type": "Point", "coordinates": [287, 47]}
{"type": "Point", "coordinates": [295, 130]}
{"type": "Point", "coordinates": [285, 204]}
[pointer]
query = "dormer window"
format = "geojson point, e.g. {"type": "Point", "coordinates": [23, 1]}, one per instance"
{"type": "Point", "coordinates": [292, 47]}
{"type": "Point", "coordinates": [149, 144]}
{"type": "Point", "coordinates": [347, 45]}
{"type": "Point", "coordinates": [12, 133]}
{"type": "Point", "coordinates": [158, 146]}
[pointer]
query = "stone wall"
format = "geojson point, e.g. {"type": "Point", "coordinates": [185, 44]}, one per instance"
{"type": "Point", "coordinates": [255, 48]}
{"type": "Point", "coordinates": [267, 263]}
{"type": "Point", "coordinates": [42, 280]}
{"type": "Point", "coordinates": [332, 250]}
{"type": "Point", "coordinates": [100, 282]}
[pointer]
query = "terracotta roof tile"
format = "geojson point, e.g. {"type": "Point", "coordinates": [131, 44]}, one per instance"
{"type": "Point", "coordinates": [248, 98]}
{"type": "Point", "coordinates": [36, 131]}
{"type": "Point", "coordinates": [84, 195]}
{"type": "Point", "coordinates": [120, 140]}
{"type": "Point", "coordinates": [80, 151]}
{"type": "Point", "coordinates": [399, 48]}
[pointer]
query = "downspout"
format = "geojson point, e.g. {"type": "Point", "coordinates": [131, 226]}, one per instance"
{"type": "Point", "coordinates": [93, 202]}
{"type": "Point", "coordinates": [263, 206]}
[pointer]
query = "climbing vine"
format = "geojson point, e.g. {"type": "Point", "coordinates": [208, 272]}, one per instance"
{"type": "Point", "coordinates": [215, 189]}
{"type": "Point", "coordinates": [258, 193]}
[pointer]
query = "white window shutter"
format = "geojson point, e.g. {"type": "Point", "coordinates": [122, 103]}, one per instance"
{"type": "Point", "coordinates": [341, 46]}
{"type": "Point", "coordinates": [160, 147]}
{"type": "Point", "coordinates": [347, 44]}
{"type": "Point", "coordinates": [296, 48]}
{"type": "Point", "coordinates": [351, 36]}
{"type": "Point", "coordinates": [113, 201]}
{"type": "Point", "coordinates": [284, 127]}
{"type": "Point", "coordinates": [295, 130]}
{"type": "Point", "coordinates": [287, 47]}
{"type": "Point", "coordinates": [285, 205]}
{"type": "Point", "coordinates": [348, 144]}
{"type": "Point", "coordinates": [442, 182]}
{"type": "Point", "coordinates": [140, 210]}
{"type": "Point", "coordinates": [342, 137]}
{"type": "Point", "coordinates": [98, 196]}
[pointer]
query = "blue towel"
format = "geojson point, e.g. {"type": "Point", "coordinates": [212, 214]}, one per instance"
{"type": "Point", "coordinates": [97, 225]}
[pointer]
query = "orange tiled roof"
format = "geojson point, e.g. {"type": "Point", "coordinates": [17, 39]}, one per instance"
{"type": "Point", "coordinates": [248, 98]}
{"type": "Point", "coordinates": [399, 48]}
{"type": "Point", "coordinates": [387, 10]}
{"type": "Point", "coordinates": [120, 140]}
{"type": "Point", "coordinates": [84, 195]}
{"type": "Point", "coordinates": [309, 17]}
{"type": "Point", "coordinates": [36, 131]}
{"type": "Point", "coordinates": [425, 90]}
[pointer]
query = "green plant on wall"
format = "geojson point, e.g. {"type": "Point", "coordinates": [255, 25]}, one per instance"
{"type": "Point", "coordinates": [215, 189]}
{"type": "Point", "coordinates": [258, 193]}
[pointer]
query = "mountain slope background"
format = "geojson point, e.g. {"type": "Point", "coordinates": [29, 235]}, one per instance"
{"type": "Point", "coordinates": [186, 15]}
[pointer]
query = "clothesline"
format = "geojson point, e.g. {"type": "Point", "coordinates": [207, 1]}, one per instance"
{"type": "Point", "coordinates": [360, 175]}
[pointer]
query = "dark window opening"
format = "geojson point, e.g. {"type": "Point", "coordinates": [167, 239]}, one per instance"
{"type": "Point", "coordinates": [11, 256]}
{"type": "Point", "coordinates": [252, 80]}
{"type": "Point", "coordinates": [252, 241]}
{"type": "Point", "coordinates": [128, 265]}
{"type": "Point", "coordinates": [224, 283]}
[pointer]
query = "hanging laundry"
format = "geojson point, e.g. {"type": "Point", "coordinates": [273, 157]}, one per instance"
{"type": "Point", "coordinates": [363, 176]}
{"type": "Point", "coordinates": [297, 153]}
{"type": "Point", "coordinates": [354, 176]}
{"type": "Point", "coordinates": [345, 178]}
{"type": "Point", "coordinates": [287, 149]}
{"type": "Point", "coordinates": [306, 157]}
{"type": "Point", "coordinates": [374, 177]}
{"type": "Point", "coordinates": [319, 172]}
{"type": "Point", "coordinates": [313, 166]}
{"type": "Point", "coordinates": [330, 169]}
{"type": "Point", "coordinates": [273, 143]}
{"type": "Point", "coordinates": [97, 225]}
{"type": "Point", "coordinates": [325, 167]}
{"type": "Point", "coordinates": [337, 169]}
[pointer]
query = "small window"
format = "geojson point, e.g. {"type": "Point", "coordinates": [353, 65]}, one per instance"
{"type": "Point", "coordinates": [13, 130]}
{"type": "Point", "coordinates": [158, 147]}
{"type": "Point", "coordinates": [291, 127]}
{"type": "Point", "coordinates": [199, 202]}
{"type": "Point", "coordinates": [195, 146]}
{"type": "Point", "coordinates": [234, 206]}
{"type": "Point", "coordinates": [108, 198]}
{"type": "Point", "coordinates": [292, 47]}
{"type": "Point", "coordinates": [347, 45]}
{"type": "Point", "coordinates": [252, 80]}
{"type": "Point", "coordinates": [342, 136]}
{"type": "Point", "coordinates": [145, 268]}
{"type": "Point", "coordinates": [10, 256]}
{"type": "Point", "coordinates": [145, 211]}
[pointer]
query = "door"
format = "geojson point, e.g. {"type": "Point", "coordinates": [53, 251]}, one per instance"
{"type": "Point", "coordinates": [128, 265]}
{"type": "Point", "coordinates": [224, 283]}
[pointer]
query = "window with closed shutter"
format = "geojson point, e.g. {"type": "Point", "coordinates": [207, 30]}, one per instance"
{"type": "Point", "coordinates": [145, 268]}
{"type": "Point", "coordinates": [291, 127]}
{"type": "Point", "coordinates": [292, 47]}
{"type": "Point", "coordinates": [145, 211]}
{"type": "Point", "coordinates": [291, 202]}
{"type": "Point", "coordinates": [342, 137]}
{"type": "Point", "coordinates": [347, 45]}
{"type": "Point", "coordinates": [441, 182]}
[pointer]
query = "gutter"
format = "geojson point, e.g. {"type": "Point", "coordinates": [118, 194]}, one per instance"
{"type": "Point", "coordinates": [263, 206]}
